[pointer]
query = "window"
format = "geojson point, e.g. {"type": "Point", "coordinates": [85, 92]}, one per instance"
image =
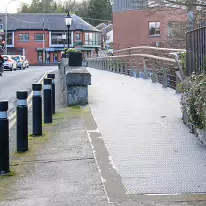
{"type": "Point", "coordinates": [9, 38]}
{"type": "Point", "coordinates": [154, 28]}
{"type": "Point", "coordinates": [40, 56]}
{"type": "Point", "coordinates": [92, 39]}
{"type": "Point", "coordinates": [56, 38]}
{"type": "Point", "coordinates": [24, 37]}
{"type": "Point", "coordinates": [78, 37]}
{"type": "Point", "coordinates": [38, 37]}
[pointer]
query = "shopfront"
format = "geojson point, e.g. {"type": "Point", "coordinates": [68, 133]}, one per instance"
{"type": "Point", "coordinates": [51, 55]}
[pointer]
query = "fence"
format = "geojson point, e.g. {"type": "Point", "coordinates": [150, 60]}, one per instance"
{"type": "Point", "coordinates": [158, 69]}
{"type": "Point", "coordinates": [196, 51]}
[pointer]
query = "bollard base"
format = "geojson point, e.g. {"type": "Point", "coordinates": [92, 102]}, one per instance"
{"type": "Point", "coordinates": [4, 147]}
{"type": "Point", "coordinates": [4, 173]}
{"type": "Point", "coordinates": [22, 129]}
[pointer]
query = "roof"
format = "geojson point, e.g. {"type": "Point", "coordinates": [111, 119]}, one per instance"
{"type": "Point", "coordinates": [101, 26]}
{"type": "Point", "coordinates": [107, 28]}
{"type": "Point", "coordinates": [52, 22]}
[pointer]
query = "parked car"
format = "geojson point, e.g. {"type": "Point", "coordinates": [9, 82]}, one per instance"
{"type": "Point", "coordinates": [26, 61]}
{"type": "Point", "coordinates": [9, 63]}
{"type": "Point", "coordinates": [110, 52]}
{"type": "Point", "coordinates": [21, 64]}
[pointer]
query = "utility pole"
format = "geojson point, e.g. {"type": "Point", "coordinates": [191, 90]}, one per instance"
{"type": "Point", "coordinates": [43, 44]}
{"type": "Point", "coordinates": [6, 25]}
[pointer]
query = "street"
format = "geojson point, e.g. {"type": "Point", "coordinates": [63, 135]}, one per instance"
{"type": "Point", "coordinates": [13, 81]}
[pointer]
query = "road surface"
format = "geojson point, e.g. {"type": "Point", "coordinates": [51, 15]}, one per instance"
{"type": "Point", "coordinates": [13, 81]}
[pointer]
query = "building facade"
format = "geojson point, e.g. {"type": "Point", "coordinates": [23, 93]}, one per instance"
{"type": "Point", "coordinates": [136, 23]}
{"type": "Point", "coordinates": [106, 35]}
{"type": "Point", "coordinates": [40, 37]}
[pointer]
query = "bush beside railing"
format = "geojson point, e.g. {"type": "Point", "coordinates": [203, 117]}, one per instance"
{"type": "Point", "coordinates": [194, 104]}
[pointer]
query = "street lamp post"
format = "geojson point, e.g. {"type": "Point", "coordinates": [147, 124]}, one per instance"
{"type": "Point", "coordinates": [64, 36]}
{"type": "Point", "coordinates": [68, 21]}
{"type": "Point", "coordinates": [6, 26]}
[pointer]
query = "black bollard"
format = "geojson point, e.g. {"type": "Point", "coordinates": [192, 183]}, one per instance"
{"type": "Point", "coordinates": [52, 76]}
{"type": "Point", "coordinates": [47, 101]}
{"type": "Point", "coordinates": [59, 65]}
{"type": "Point", "coordinates": [4, 138]}
{"type": "Point", "coordinates": [22, 121]}
{"type": "Point", "coordinates": [37, 109]}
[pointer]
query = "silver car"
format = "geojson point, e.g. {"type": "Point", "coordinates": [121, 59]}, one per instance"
{"type": "Point", "coordinates": [9, 63]}
{"type": "Point", "coordinates": [20, 62]}
{"type": "Point", "coordinates": [26, 61]}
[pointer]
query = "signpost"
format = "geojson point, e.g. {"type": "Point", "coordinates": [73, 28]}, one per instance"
{"type": "Point", "coordinates": [1, 29]}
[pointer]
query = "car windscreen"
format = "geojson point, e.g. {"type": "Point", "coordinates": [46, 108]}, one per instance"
{"type": "Point", "coordinates": [17, 58]}
{"type": "Point", "coordinates": [5, 58]}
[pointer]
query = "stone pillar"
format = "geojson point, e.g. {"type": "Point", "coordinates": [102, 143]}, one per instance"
{"type": "Point", "coordinates": [154, 78]}
{"type": "Point", "coordinates": [164, 81]}
{"type": "Point", "coordinates": [131, 67]}
{"type": "Point", "coordinates": [145, 69]}
{"type": "Point", "coordinates": [137, 66]}
{"type": "Point", "coordinates": [121, 66]}
{"type": "Point", "coordinates": [125, 70]}
{"type": "Point", "coordinates": [77, 81]}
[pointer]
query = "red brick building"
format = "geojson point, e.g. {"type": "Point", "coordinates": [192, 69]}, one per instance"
{"type": "Point", "coordinates": [40, 36]}
{"type": "Point", "coordinates": [138, 24]}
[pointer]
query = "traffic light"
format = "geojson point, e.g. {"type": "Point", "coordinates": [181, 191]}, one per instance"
{"type": "Point", "coordinates": [3, 44]}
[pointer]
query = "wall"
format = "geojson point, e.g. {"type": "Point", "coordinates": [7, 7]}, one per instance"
{"type": "Point", "coordinates": [31, 45]}
{"type": "Point", "coordinates": [131, 28]}
{"type": "Point", "coordinates": [110, 34]}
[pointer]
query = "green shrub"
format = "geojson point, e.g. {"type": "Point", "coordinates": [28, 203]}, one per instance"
{"type": "Point", "coordinates": [66, 50]}
{"type": "Point", "coordinates": [183, 59]}
{"type": "Point", "coordinates": [194, 100]}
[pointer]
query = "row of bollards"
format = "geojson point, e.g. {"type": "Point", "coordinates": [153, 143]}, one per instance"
{"type": "Point", "coordinates": [22, 118]}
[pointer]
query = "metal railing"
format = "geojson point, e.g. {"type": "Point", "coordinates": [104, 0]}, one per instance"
{"type": "Point", "coordinates": [159, 69]}
{"type": "Point", "coordinates": [196, 51]}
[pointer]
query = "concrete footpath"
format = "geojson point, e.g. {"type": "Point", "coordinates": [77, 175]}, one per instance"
{"type": "Point", "coordinates": [59, 168]}
{"type": "Point", "coordinates": [70, 165]}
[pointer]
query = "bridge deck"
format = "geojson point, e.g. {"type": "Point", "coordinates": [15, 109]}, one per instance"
{"type": "Point", "coordinates": [150, 147]}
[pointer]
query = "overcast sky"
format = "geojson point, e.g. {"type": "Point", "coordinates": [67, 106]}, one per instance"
{"type": "Point", "coordinates": [13, 5]}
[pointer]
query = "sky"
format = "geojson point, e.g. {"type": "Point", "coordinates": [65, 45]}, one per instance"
{"type": "Point", "coordinates": [13, 5]}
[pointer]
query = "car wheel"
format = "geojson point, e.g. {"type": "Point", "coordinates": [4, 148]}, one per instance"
{"type": "Point", "coordinates": [11, 68]}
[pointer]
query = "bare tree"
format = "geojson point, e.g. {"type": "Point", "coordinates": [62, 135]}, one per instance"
{"type": "Point", "coordinates": [196, 9]}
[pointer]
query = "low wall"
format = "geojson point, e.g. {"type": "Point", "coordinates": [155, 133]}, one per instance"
{"type": "Point", "coordinates": [75, 81]}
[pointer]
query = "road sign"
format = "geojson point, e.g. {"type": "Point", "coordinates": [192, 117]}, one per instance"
{"type": "Point", "coordinates": [1, 29]}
